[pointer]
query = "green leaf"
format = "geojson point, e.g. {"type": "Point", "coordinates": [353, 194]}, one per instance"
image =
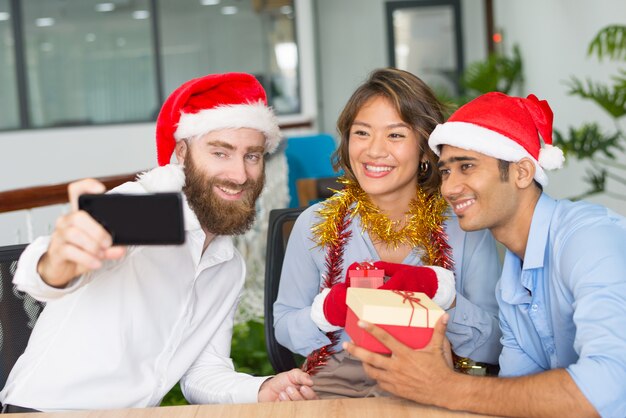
{"type": "Point", "coordinates": [609, 42]}
{"type": "Point", "coordinates": [497, 73]}
{"type": "Point", "coordinates": [587, 141]}
{"type": "Point", "coordinates": [248, 348]}
{"type": "Point", "coordinates": [613, 100]}
{"type": "Point", "coordinates": [174, 397]}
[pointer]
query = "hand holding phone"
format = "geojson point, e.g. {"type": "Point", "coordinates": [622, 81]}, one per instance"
{"type": "Point", "coordinates": [78, 243]}
{"type": "Point", "coordinates": [138, 219]}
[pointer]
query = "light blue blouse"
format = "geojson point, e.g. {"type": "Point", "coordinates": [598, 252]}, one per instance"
{"type": "Point", "coordinates": [473, 327]}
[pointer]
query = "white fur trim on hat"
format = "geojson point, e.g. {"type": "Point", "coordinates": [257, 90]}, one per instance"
{"type": "Point", "coordinates": [446, 289]}
{"type": "Point", "coordinates": [317, 313]}
{"type": "Point", "coordinates": [253, 115]}
{"type": "Point", "coordinates": [485, 141]}
{"type": "Point", "coordinates": [169, 178]}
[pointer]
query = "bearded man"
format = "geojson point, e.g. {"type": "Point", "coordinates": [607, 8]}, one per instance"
{"type": "Point", "coordinates": [123, 325]}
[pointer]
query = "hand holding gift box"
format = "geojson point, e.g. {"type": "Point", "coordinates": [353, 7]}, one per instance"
{"type": "Point", "coordinates": [408, 316]}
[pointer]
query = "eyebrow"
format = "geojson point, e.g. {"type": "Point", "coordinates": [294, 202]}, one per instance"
{"type": "Point", "coordinates": [256, 148]}
{"type": "Point", "coordinates": [223, 144]}
{"type": "Point", "coordinates": [228, 146]}
{"type": "Point", "coordinates": [454, 160]}
{"type": "Point", "coordinates": [392, 126]}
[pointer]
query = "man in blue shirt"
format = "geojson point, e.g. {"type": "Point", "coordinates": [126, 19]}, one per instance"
{"type": "Point", "coordinates": [562, 293]}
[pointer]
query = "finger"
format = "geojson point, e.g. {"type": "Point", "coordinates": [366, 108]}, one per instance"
{"type": "Point", "coordinates": [447, 353]}
{"type": "Point", "coordinates": [439, 333]}
{"type": "Point", "coordinates": [294, 394]}
{"type": "Point", "coordinates": [81, 187]}
{"type": "Point", "coordinates": [299, 377]}
{"type": "Point", "coordinates": [383, 336]}
{"type": "Point", "coordinates": [374, 372]}
{"type": "Point", "coordinates": [92, 227]}
{"type": "Point", "coordinates": [114, 253]}
{"type": "Point", "coordinates": [85, 223]}
{"type": "Point", "coordinates": [81, 239]}
{"type": "Point", "coordinates": [308, 393]}
{"type": "Point", "coordinates": [366, 356]}
{"type": "Point", "coordinates": [83, 260]}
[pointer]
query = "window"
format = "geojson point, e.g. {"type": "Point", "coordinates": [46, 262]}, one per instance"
{"type": "Point", "coordinates": [425, 39]}
{"type": "Point", "coordinates": [85, 62]}
{"type": "Point", "coordinates": [214, 36]}
{"type": "Point", "coordinates": [88, 62]}
{"type": "Point", "coordinates": [9, 116]}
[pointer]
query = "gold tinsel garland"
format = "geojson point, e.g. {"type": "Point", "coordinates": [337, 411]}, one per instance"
{"type": "Point", "coordinates": [424, 219]}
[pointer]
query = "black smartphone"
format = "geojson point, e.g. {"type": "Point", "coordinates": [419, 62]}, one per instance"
{"type": "Point", "coordinates": [138, 219]}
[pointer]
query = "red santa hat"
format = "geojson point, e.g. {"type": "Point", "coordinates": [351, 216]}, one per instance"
{"type": "Point", "coordinates": [503, 127]}
{"type": "Point", "coordinates": [213, 102]}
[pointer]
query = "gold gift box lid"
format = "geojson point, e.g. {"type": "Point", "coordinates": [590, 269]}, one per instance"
{"type": "Point", "coordinates": [390, 307]}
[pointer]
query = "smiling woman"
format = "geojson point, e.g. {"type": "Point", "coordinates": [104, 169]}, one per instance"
{"type": "Point", "coordinates": [391, 215]}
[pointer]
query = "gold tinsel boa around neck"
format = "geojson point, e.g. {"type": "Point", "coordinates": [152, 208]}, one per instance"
{"type": "Point", "coordinates": [424, 219]}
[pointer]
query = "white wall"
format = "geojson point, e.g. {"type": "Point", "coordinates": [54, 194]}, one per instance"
{"type": "Point", "coordinates": [553, 37]}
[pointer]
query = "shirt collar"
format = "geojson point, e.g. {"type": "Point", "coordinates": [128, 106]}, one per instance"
{"type": "Point", "coordinates": [539, 232]}
{"type": "Point", "coordinates": [516, 281]}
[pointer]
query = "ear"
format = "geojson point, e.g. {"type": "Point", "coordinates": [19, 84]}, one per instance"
{"type": "Point", "coordinates": [181, 151]}
{"type": "Point", "coordinates": [524, 173]}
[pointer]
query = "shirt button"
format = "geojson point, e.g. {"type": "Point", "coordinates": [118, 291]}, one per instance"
{"type": "Point", "coordinates": [534, 307]}
{"type": "Point", "coordinates": [465, 317]}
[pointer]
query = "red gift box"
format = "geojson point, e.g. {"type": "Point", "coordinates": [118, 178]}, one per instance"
{"type": "Point", "coordinates": [366, 275]}
{"type": "Point", "coordinates": [408, 316]}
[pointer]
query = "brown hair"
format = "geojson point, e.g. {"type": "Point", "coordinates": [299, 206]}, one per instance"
{"type": "Point", "coordinates": [416, 104]}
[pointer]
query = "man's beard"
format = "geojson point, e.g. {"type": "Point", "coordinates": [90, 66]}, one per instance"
{"type": "Point", "coordinates": [216, 215]}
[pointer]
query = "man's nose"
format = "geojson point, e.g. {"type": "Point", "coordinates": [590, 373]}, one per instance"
{"type": "Point", "coordinates": [451, 186]}
{"type": "Point", "coordinates": [237, 172]}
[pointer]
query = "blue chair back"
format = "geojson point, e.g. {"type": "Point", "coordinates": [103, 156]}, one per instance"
{"type": "Point", "coordinates": [308, 157]}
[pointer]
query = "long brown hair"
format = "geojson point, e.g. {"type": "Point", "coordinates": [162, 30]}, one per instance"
{"type": "Point", "coordinates": [417, 106]}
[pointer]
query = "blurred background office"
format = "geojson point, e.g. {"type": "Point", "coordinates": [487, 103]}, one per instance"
{"type": "Point", "coordinates": [81, 81]}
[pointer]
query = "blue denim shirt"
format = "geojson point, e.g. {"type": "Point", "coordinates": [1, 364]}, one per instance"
{"type": "Point", "coordinates": [564, 306]}
{"type": "Point", "coordinates": [473, 326]}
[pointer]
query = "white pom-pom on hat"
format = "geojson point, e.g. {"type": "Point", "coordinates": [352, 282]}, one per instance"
{"type": "Point", "coordinates": [551, 157]}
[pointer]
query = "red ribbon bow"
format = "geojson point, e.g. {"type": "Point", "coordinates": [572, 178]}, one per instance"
{"type": "Point", "coordinates": [410, 296]}
{"type": "Point", "coordinates": [366, 265]}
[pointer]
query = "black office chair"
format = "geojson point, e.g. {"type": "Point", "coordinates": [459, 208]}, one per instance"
{"type": "Point", "coordinates": [18, 312]}
{"type": "Point", "coordinates": [280, 223]}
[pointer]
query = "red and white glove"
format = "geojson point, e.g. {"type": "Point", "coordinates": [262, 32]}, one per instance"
{"type": "Point", "coordinates": [434, 281]}
{"type": "Point", "coordinates": [329, 308]}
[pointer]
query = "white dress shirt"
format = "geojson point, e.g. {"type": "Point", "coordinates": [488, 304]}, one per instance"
{"type": "Point", "coordinates": [123, 335]}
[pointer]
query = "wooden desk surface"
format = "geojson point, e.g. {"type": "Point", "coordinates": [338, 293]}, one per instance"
{"type": "Point", "coordinates": [335, 408]}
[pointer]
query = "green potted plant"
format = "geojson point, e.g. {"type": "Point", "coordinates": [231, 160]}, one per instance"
{"type": "Point", "coordinates": [589, 142]}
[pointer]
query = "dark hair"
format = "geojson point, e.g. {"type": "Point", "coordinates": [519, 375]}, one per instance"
{"type": "Point", "coordinates": [503, 167]}
{"type": "Point", "coordinates": [416, 104]}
